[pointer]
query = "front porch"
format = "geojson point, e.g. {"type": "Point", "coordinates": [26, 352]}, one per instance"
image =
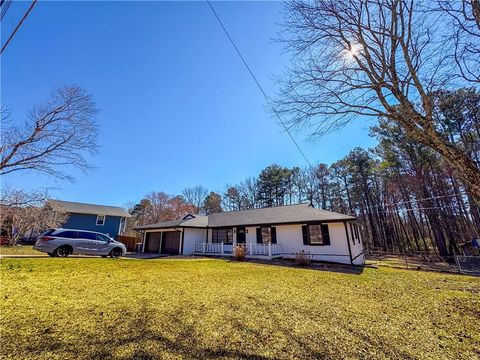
{"type": "Point", "coordinates": [254, 250]}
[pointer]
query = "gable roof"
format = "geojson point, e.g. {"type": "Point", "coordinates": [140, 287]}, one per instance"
{"type": "Point", "coordinates": [300, 213]}
{"type": "Point", "coordinates": [190, 220]}
{"type": "Point", "coordinates": [92, 209]}
{"type": "Point", "coordinates": [275, 215]}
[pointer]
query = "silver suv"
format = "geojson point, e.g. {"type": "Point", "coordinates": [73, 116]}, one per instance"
{"type": "Point", "coordinates": [63, 242]}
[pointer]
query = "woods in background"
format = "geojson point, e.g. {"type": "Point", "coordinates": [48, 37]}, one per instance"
{"type": "Point", "coordinates": [406, 195]}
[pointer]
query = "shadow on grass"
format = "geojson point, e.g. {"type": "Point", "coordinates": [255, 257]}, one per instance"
{"type": "Point", "coordinates": [314, 265]}
{"type": "Point", "coordinates": [132, 338]}
{"type": "Point", "coordinates": [136, 337]}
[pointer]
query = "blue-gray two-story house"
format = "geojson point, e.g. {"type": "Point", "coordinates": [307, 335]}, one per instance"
{"type": "Point", "coordinates": [109, 220]}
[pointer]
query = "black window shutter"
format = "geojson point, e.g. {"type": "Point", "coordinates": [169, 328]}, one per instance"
{"type": "Point", "coordinates": [325, 235]}
{"type": "Point", "coordinates": [273, 232]}
{"type": "Point", "coordinates": [305, 234]}
{"type": "Point", "coordinates": [259, 235]}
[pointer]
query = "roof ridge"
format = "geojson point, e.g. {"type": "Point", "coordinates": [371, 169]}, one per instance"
{"type": "Point", "coordinates": [83, 203]}
{"type": "Point", "coordinates": [266, 207]}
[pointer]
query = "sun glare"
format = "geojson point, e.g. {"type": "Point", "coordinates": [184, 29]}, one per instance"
{"type": "Point", "coordinates": [350, 54]}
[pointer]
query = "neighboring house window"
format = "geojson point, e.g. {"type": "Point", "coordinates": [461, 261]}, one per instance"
{"type": "Point", "coordinates": [316, 234]}
{"type": "Point", "coordinates": [222, 235]}
{"type": "Point", "coordinates": [100, 220]}
{"type": "Point", "coordinates": [266, 234]}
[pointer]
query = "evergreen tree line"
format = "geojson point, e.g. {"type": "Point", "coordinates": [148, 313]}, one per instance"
{"type": "Point", "coordinates": [407, 197]}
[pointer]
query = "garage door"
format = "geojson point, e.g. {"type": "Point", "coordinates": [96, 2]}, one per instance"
{"type": "Point", "coordinates": [152, 242]}
{"type": "Point", "coordinates": [171, 243]}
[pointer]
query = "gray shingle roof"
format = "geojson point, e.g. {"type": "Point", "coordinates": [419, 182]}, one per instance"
{"type": "Point", "coordinates": [273, 215]}
{"type": "Point", "coordinates": [81, 208]}
{"type": "Point", "coordinates": [198, 221]}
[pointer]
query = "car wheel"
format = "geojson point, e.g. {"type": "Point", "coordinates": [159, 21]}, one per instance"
{"type": "Point", "coordinates": [51, 254]}
{"type": "Point", "coordinates": [104, 256]}
{"type": "Point", "coordinates": [116, 253]}
{"type": "Point", "coordinates": [62, 251]}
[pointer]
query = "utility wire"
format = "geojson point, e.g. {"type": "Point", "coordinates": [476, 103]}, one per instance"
{"type": "Point", "coordinates": [18, 26]}
{"type": "Point", "coordinates": [413, 200]}
{"type": "Point", "coordinates": [4, 5]}
{"type": "Point", "coordinates": [256, 82]}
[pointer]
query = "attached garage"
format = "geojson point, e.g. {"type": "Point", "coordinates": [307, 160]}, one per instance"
{"type": "Point", "coordinates": [171, 243]}
{"type": "Point", "coordinates": [163, 242]}
{"type": "Point", "coordinates": [171, 237]}
{"type": "Point", "coordinates": [152, 242]}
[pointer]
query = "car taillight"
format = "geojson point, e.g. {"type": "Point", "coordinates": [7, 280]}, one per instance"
{"type": "Point", "coordinates": [46, 238]}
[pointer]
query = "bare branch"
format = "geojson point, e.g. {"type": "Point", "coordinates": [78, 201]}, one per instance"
{"type": "Point", "coordinates": [56, 135]}
{"type": "Point", "coordinates": [374, 58]}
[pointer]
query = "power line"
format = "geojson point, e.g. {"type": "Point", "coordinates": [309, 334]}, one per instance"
{"type": "Point", "coordinates": [4, 5]}
{"type": "Point", "coordinates": [256, 82]}
{"type": "Point", "coordinates": [412, 200]}
{"type": "Point", "coordinates": [18, 25]}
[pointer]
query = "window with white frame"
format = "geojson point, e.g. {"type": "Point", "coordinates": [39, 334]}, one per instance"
{"type": "Point", "coordinates": [266, 235]}
{"type": "Point", "coordinates": [100, 220]}
{"type": "Point", "coordinates": [222, 235]}
{"type": "Point", "coordinates": [315, 234]}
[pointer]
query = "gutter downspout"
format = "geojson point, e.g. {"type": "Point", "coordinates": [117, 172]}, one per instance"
{"type": "Point", "coordinates": [348, 242]}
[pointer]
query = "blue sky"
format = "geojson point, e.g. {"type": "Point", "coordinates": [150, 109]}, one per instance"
{"type": "Point", "coordinates": [177, 107]}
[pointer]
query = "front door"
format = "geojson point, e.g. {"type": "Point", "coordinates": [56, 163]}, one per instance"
{"type": "Point", "coordinates": [171, 243]}
{"type": "Point", "coordinates": [241, 237]}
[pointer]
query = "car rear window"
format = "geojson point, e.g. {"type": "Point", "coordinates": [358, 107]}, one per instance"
{"type": "Point", "coordinates": [48, 232]}
{"type": "Point", "coordinates": [87, 235]}
{"type": "Point", "coordinates": [67, 234]}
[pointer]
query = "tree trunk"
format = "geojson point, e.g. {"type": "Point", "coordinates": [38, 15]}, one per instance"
{"type": "Point", "coordinates": [465, 167]}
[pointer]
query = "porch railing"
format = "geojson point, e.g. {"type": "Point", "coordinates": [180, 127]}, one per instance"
{"type": "Point", "coordinates": [211, 248]}
{"type": "Point", "coordinates": [252, 248]}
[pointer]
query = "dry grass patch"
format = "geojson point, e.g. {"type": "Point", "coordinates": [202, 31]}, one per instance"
{"type": "Point", "coordinates": [160, 309]}
{"type": "Point", "coordinates": [19, 250]}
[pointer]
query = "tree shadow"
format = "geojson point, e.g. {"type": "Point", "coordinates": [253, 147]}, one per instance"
{"type": "Point", "coordinates": [314, 265]}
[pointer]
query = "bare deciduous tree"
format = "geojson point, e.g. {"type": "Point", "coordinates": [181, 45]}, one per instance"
{"type": "Point", "coordinates": [371, 58]}
{"type": "Point", "coordinates": [56, 134]}
{"type": "Point", "coordinates": [195, 195]}
{"type": "Point", "coordinates": [27, 213]}
{"type": "Point", "coordinates": [464, 35]}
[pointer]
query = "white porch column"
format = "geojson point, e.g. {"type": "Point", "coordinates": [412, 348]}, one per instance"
{"type": "Point", "coordinates": [144, 238]}
{"type": "Point", "coordinates": [270, 248]}
{"type": "Point", "coordinates": [161, 240]}
{"type": "Point", "coordinates": [251, 248]}
{"type": "Point", "coordinates": [221, 248]}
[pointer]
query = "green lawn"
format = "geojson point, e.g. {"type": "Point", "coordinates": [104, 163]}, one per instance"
{"type": "Point", "coordinates": [19, 250]}
{"type": "Point", "coordinates": [75, 308]}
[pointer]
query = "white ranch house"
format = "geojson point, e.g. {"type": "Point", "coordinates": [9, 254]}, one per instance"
{"type": "Point", "coordinates": [268, 233]}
